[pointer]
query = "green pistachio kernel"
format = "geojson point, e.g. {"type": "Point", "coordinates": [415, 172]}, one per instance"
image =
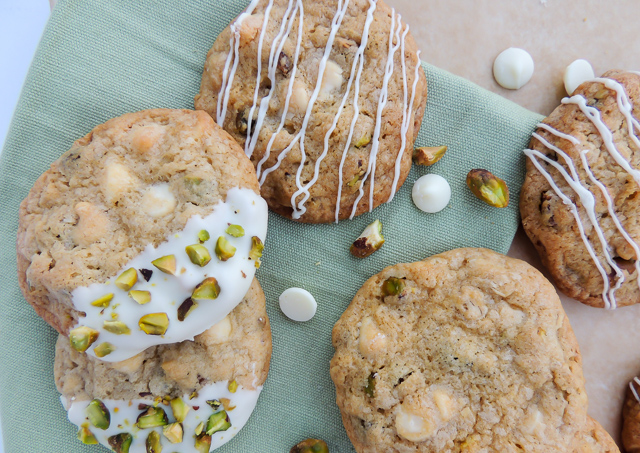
{"type": "Point", "coordinates": [235, 230]}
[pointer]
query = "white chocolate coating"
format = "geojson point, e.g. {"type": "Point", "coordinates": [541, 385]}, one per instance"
{"type": "Point", "coordinates": [431, 193]}
{"type": "Point", "coordinates": [242, 207]}
{"type": "Point", "coordinates": [298, 304]}
{"type": "Point", "coordinates": [575, 74]}
{"type": "Point", "coordinates": [513, 68]}
{"type": "Point", "coordinates": [124, 415]}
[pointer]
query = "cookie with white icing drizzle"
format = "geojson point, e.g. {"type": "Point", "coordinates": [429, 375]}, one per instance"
{"type": "Point", "coordinates": [125, 242]}
{"type": "Point", "coordinates": [327, 99]}
{"type": "Point", "coordinates": [580, 199]}
{"type": "Point", "coordinates": [221, 372]}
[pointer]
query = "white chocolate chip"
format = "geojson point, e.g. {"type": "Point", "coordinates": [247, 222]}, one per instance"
{"type": "Point", "coordinates": [118, 179]}
{"type": "Point", "coordinates": [129, 366]}
{"type": "Point", "coordinates": [577, 73]}
{"type": "Point", "coordinates": [445, 404]}
{"type": "Point", "coordinates": [513, 68]}
{"type": "Point", "coordinates": [299, 97]}
{"type": "Point", "coordinates": [431, 193]}
{"type": "Point", "coordinates": [332, 78]}
{"type": "Point", "coordinates": [93, 224]}
{"type": "Point", "coordinates": [411, 426]}
{"type": "Point", "coordinates": [144, 138]}
{"type": "Point", "coordinates": [158, 201]}
{"type": "Point", "coordinates": [372, 340]}
{"type": "Point", "coordinates": [533, 423]}
{"type": "Point", "coordinates": [298, 304]}
{"type": "Point", "coordinates": [218, 333]}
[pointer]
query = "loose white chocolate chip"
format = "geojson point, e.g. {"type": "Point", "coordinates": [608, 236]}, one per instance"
{"type": "Point", "coordinates": [332, 78]}
{"type": "Point", "coordinates": [158, 201]}
{"type": "Point", "coordinates": [118, 180]}
{"type": "Point", "coordinates": [431, 193]}
{"type": "Point", "coordinates": [577, 73]}
{"type": "Point", "coordinates": [298, 304]}
{"type": "Point", "coordinates": [413, 427]}
{"type": "Point", "coordinates": [513, 68]}
{"type": "Point", "coordinates": [371, 340]}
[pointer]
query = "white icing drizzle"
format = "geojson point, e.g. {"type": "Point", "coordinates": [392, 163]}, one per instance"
{"type": "Point", "coordinates": [242, 207]}
{"type": "Point", "coordinates": [124, 418]}
{"type": "Point", "coordinates": [637, 381]}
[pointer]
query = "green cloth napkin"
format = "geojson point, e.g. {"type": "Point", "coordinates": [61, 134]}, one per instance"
{"type": "Point", "coordinates": [100, 59]}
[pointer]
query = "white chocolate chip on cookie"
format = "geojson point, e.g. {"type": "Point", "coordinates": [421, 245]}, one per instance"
{"type": "Point", "coordinates": [159, 201]}
{"type": "Point", "coordinates": [118, 179]}
{"type": "Point", "coordinates": [372, 340]}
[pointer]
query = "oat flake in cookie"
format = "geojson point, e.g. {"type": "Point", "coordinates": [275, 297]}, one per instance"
{"type": "Point", "coordinates": [327, 99]}
{"type": "Point", "coordinates": [579, 202]}
{"type": "Point", "coordinates": [215, 379]}
{"type": "Point", "coordinates": [468, 350]}
{"type": "Point", "coordinates": [125, 242]}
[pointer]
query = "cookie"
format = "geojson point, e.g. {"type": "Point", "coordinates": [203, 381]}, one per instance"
{"type": "Point", "coordinates": [327, 99]}
{"type": "Point", "coordinates": [579, 202]}
{"type": "Point", "coordinates": [229, 360]}
{"type": "Point", "coordinates": [594, 439]}
{"type": "Point", "coordinates": [468, 350]}
{"type": "Point", "coordinates": [631, 418]}
{"type": "Point", "coordinates": [126, 240]}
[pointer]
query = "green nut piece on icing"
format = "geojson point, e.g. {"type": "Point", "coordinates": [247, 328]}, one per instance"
{"type": "Point", "coordinates": [104, 349]}
{"type": "Point", "coordinates": [203, 442]}
{"type": "Point", "coordinates": [310, 446]}
{"type": "Point", "coordinates": [185, 308]}
{"type": "Point", "coordinates": [218, 422]}
{"type": "Point", "coordinates": [127, 279]}
{"type": "Point", "coordinates": [152, 418]}
{"type": "Point", "coordinates": [203, 236]}
{"type": "Point", "coordinates": [393, 286]}
{"type": "Point", "coordinates": [198, 254]}
{"type": "Point", "coordinates": [98, 414]}
{"type": "Point", "coordinates": [207, 290]}
{"type": "Point", "coordinates": [233, 386]}
{"type": "Point", "coordinates": [173, 432]}
{"type": "Point", "coordinates": [199, 428]}
{"type": "Point", "coordinates": [116, 327]}
{"type": "Point", "coordinates": [86, 437]}
{"type": "Point", "coordinates": [153, 443]}
{"type": "Point", "coordinates": [141, 297]}
{"type": "Point", "coordinates": [82, 337]}
{"type": "Point", "coordinates": [235, 230]}
{"type": "Point", "coordinates": [120, 443]}
{"type": "Point", "coordinates": [215, 404]}
{"type": "Point", "coordinates": [224, 249]}
{"type": "Point", "coordinates": [256, 248]}
{"type": "Point", "coordinates": [180, 409]}
{"type": "Point", "coordinates": [103, 301]}
{"type": "Point", "coordinates": [166, 264]}
{"type": "Point", "coordinates": [154, 323]}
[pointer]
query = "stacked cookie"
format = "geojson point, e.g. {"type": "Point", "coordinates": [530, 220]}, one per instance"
{"type": "Point", "coordinates": [146, 234]}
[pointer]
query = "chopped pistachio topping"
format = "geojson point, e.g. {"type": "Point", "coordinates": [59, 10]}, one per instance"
{"type": "Point", "coordinates": [256, 248]}
{"type": "Point", "coordinates": [127, 279]}
{"type": "Point", "coordinates": [215, 404]}
{"type": "Point", "coordinates": [120, 443]}
{"type": "Point", "coordinates": [142, 297]}
{"type": "Point", "coordinates": [153, 442]}
{"type": "Point", "coordinates": [356, 178]}
{"type": "Point", "coordinates": [203, 442]}
{"type": "Point", "coordinates": [151, 418]}
{"type": "Point", "coordinates": [428, 155]}
{"type": "Point", "coordinates": [235, 230]}
{"type": "Point", "coordinates": [370, 389]}
{"type": "Point", "coordinates": [233, 386]}
{"type": "Point", "coordinates": [488, 188]}
{"type": "Point", "coordinates": [173, 432]}
{"type": "Point", "coordinates": [166, 264]}
{"type": "Point", "coordinates": [154, 323]}
{"type": "Point", "coordinates": [185, 308]}
{"type": "Point", "coordinates": [224, 249]}
{"type": "Point", "coordinates": [218, 422]}
{"type": "Point", "coordinates": [117, 327]}
{"type": "Point", "coordinates": [203, 236]}
{"type": "Point", "coordinates": [180, 409]}
{"type": "Point", "coordinates": [86, 436]}
{"type": "Point", "coordinates": [98, 414]}
{"type": "Point", "coordinates": [199, 428]}
{"type": "Point", "coordinates": [393, 286]}
{"type": "Point", "coordinates": [104, 349]}
{"type": "Point", "coordinates": [369, 241]}
{"type": "Point", "coordinates": [198, 254]}
{"type": "Point", "coordinates": [310, 446]}
{"type": "Point", "coordinates": [82, 337]}
{"type": "Point", "coordinates": [103, 301]}
{"type": "Point", "coordinates": [207, 290]}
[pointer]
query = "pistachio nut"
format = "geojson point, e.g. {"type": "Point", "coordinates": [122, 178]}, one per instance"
{"type": "Point", "coordinates": [154, 323]}
{"type": "Point", "coordinates": [369, 241]}
{"type": "Point", "coordinates": [82, 337]}
{"type": "Point", "coordinates": [363, 141]}
{"type": "Point", "coordinates": [104, 349]}
{"type": "Point", "coordinates": [166, 264]}
{"type": "Point", "coordinates": [127, 279]}
{"type": "Point", "coordinates": [117, 327]}
{"type": "Point", "coordinates": [256, 248]}
{"type": "Point", "coordinates": [428, 155]}
{"type": "Point", "coordinates": [235, 230]}
{"type": "Point", "coordinates": [370, 388]}
{"type": "Point", "coordinates": [393, 286]}
{"type": "Point", "coordinates": [185, 308]}
{"type": "Point", "coordinates": [208, 289]}
{"type": "Point", "coordinates": [224, 249]}
{"type": "Point", "coordinates": [103, 301]}
{"type": "Point", "coordinates": [198, 254]}
{"type": "Point", "coordinates": [356, 178]}
{"type": "Point", "coordinates": [199, 428]}
{"type": "Point", "coordinates": [203, 442]}
{"type": "Point", "coordinates": [142, 297]}
{"type": "Point", "coordinates": [488, 188]}
{"type": "Point", "coordinates": [98, 414]}
{"type": "Point", "coordinates": [173, 432]}
{"type": "Point", "coordinates": [180, 409]}
{"type": "Point", "coordinates": [151, 418]}
{"type": "Point", "coordinates": [233, 386]}
{"type": "Point", "coordinates": [310, 446]}
{"type": "Point", "coordinates": [203, 236]}
{"type": "Point", "coordinates": [215, 404]}
{"type": "Point", "coordinates": [120, 443]}
{"type": "Point", "coordinates": [86, 437]}
{"type": "Point", "coordinates": [153, 442]}
{"type": "Point", "coordinates": [218, 422]}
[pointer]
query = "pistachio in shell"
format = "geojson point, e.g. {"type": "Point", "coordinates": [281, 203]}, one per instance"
{"type": "Point", "coordinates": [203, 442]}
{"type": "Point", "coordinates": [154, 323]}
{"type": "Point", "coordinates": [152, 443]}
{"type": "Point", "coordinates": [166, 264]}
{"type": "Point", "coordinates": [82, 337]}
{"type": "Point", "coordinates": [127, 279]}
{"type": "Point", "coordinates": [208, 289]}
{"type": "Point", "coordinates": [224, 249]}
{"type": "Point", "coordinates": [116, 327]}
{"type": "Point", "coordinates": [310, 446]}
{"type": "Point", "coordinates": [488, 188]}
{"type": "Point", "coordinates": [428, 155]}
{"type": "Point", "coordinates": [218, 422]}
{"type": "Point", "coordinates": [141, 297]}
{"type": "Point", "coordinates": [180, 409]}
{"type": "Point", "coordinates": [120, 443]}
{"type": "Point", "coordinates": [173, 432]}
{"type": "Point", "coordinates": [198, 254]}
{"type": "Point", "coordinates": [369, 241]}
{"type": "Point", "coordinates": [98, 414]}
{"type": "Point", "coordinates": [235, 230]}
{"type": "Point", "coordinates": [103, 301]}
{"type": "Point", "coordinates": [86, 436]}
{"type": "Point", "coordinates": [152, 417]}
{"type": "Point", "coordinates": [393, 286]}
{"type": "Point", "coordinates": [104, 349]}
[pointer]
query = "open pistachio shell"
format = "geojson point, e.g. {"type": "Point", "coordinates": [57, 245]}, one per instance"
{"type": "Point", "coordinates": [488, 188]}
